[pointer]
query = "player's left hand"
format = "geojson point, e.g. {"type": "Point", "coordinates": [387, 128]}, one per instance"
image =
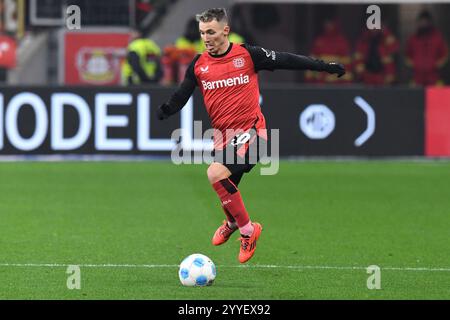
{"type": "Point", "coordinates": [161, 112]}
{"type": "Point", "coordinates": [334, 67]}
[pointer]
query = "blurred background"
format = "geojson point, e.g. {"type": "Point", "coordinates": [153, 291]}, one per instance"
{"type": "Point", "coordinates": [335, 30]}
{"type": "Point", "coordinates": [134, 45]}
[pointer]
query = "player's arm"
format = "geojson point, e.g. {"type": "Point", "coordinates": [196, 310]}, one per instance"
{"type": "Point", "coordinates": [265, 59]}
{"type": "Point", "coordinates": [179, 98]}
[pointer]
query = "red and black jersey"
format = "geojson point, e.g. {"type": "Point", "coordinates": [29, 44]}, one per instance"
{"type": "Point", "coordinates": [229, 84]}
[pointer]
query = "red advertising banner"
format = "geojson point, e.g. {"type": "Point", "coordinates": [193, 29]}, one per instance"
{"type": "Point", "coordinates": [7, 52]}
{"type": "Point", "coordinates": [94, 57]}
{"type": "Point", "coordinates": [437, 122]}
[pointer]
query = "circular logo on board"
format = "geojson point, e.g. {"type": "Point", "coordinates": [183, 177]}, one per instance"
{"type": "Point", "coordinates": [317, 121]}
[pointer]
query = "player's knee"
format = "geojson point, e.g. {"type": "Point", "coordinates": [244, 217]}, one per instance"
{"type": "Point", "coordinates": [216, 172]}
{"type": "Point", "coordinates": [213, 174]}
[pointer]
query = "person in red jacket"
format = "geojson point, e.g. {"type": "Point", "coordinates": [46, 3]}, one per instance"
{"type": "Point", "coordinates": [426, 51]}
{"type": "Point", "coordinates": [331, 45]}
{"type": "Point", "coordinates": [374, 57]}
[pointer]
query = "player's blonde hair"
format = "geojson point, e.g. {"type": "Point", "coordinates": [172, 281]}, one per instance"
{"type": "Point", "coordinates": [219, 14]}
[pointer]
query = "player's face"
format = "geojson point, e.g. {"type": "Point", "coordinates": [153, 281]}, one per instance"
{"type": "Point", "coordinates": [215, 36]}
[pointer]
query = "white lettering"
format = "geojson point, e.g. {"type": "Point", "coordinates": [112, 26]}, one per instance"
{"type": "Point", "coordinates": [99, 122]}
{"type": "Point", "coordinates": [58, 142]}
{"type": "Point", "coordinates": [11, 117]}
{"type": "Point", "coordinates": [144, 142]}
{"type": "Point", "coordinates": [103, 121]}
{"type": "Point", "coordinates": [208, 85]}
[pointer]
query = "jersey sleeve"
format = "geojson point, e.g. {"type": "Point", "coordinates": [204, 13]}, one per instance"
{"type": "Point", "coordinates": [179, 98]}
{"type": "Point", "coordinates": [265, 59]}
{"type": "Point", "coordinates": [190, 74]}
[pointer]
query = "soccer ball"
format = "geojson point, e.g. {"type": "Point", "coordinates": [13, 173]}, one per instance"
{"type": "Point", "coordinates": [197, 270]}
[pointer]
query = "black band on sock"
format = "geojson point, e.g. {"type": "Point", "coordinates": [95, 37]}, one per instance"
{"type": "Point", "coordinates": [228, 185]}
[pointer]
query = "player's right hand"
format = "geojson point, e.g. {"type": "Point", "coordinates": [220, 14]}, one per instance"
{"type": "Point", "coordinates": [161, 113]}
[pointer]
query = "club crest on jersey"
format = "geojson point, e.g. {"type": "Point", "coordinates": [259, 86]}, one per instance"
{"type": "Point", "coordinates": [204, 69]}
{"type": "Point", "coordinates": [239, 62]}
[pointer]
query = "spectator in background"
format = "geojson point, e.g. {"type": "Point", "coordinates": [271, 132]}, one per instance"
{"type": "Point", "coordinates": [242, 32]}
{"type": "Point", "coordinates": [331, 45]}
{"type": "Point", "coordinates": [176, 58]}
{"type": "Point", "coordinates": [426, 51]}
{"type": "Point", "coordinates": [142, 65]}
{"type": "Point", "coordinates": [374, 58]}
{"type": "Point", "coordinates": [191, 38]}
{"type": "Point", "coordinates": [8, 58]}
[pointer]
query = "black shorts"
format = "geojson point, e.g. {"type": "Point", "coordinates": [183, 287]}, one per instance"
{"type": "Point", "coordinates": [242, 153]}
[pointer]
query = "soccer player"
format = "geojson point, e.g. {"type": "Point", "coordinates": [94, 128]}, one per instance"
{"type": "Point", "coordinates": [227, 75]}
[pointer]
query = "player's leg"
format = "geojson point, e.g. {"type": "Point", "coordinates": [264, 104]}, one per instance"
{"type": "Point", "coordinates": [229, 226]}
{"type": "Point", "coordinates": [254, 150]}
{"type": "Point", "coordinates": [235, 178]}
{"type": "Point", "coordinates": [218, 175]}
{"type": "Point", "coordinates": [232, 203]}
{"type": "Point", "coordinates": [217, 172]}
{"type": "Point", "coordinates": [220, 178]}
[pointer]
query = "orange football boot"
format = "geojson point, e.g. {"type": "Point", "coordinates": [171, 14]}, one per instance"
{"type": "Point", "coordinates": [248, 245]}
{"type": "Point", "coordinates": [222, 234]}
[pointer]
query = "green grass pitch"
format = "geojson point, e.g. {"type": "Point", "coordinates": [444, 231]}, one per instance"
{"type": "Point", "coordinates": [128, 226]}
